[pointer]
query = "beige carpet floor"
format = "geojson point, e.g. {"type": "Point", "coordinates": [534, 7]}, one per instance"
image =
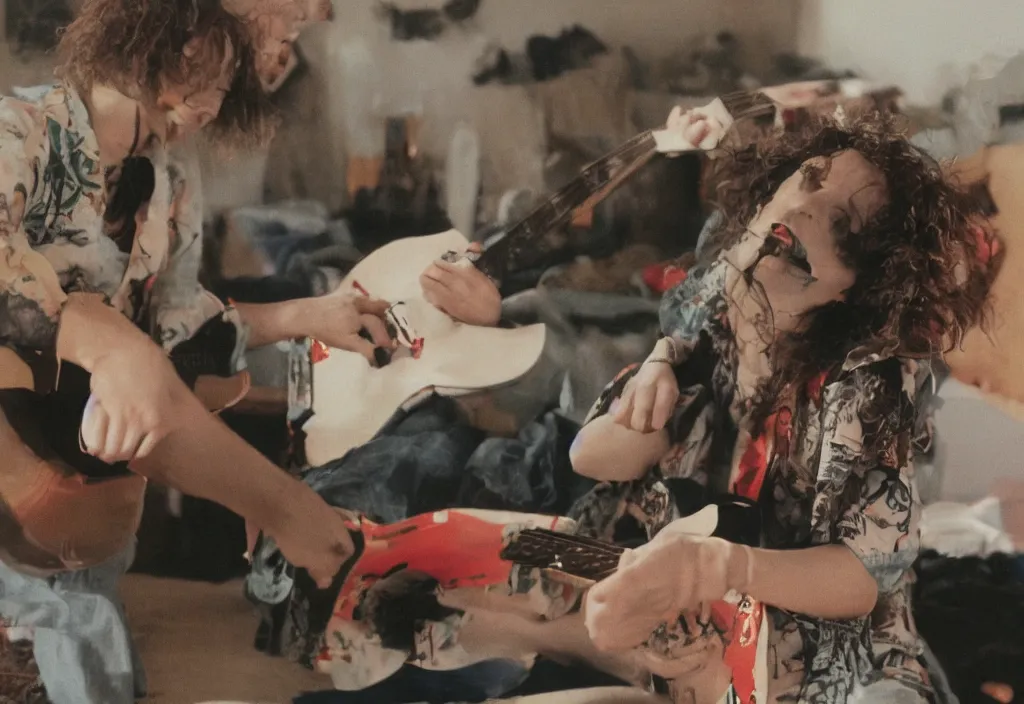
{"type": "Point", "coordinates": [196, 642]}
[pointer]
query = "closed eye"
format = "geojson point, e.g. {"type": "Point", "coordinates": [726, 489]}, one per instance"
{"type": "Point", "coordinates": [814, 175]}
{"type": "Point", "coordinates": [842, 223]}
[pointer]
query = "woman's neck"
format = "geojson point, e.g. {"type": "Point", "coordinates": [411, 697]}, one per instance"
{"type": "Point", "coordinates": [753, 330]}
{"type": "Point", "coordinates": [118, 123]}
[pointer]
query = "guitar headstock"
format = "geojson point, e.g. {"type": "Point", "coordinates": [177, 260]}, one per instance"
{"type": "Point", "coordinates": [726, 110]}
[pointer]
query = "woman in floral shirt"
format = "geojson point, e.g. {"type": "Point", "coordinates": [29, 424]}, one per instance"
{"type": "Point", "coordinates": [789, 374]}
{"type": "Point", "coordinates": [100, 230]}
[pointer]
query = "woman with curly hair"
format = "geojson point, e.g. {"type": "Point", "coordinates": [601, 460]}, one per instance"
{"type": "Point", "coordinates": [762, 457]}
{"type": "Point", "coordinates": [845, 261]}
{"type": "Point", "coordinates": [104, 327]}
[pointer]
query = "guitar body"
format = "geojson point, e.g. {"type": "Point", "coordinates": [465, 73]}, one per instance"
{"type": "Point", "coordinates": [369, 623]}
{"type": "Point", "coordinates": [741, 623]}
{"type": "Point", "coordinates": [455, 548]}
{"type": "Point", "coordinates": [60, 508]}
{"type": "Point", "coordinates": [352, 400]}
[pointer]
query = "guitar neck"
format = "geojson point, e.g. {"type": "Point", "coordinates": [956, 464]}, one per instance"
{"type": "Point", "coordinates": [529, 232]}
{"type": "Point", "coordinates": [525, 239]}
{"type": "Point", "coordinates": [573, 555]}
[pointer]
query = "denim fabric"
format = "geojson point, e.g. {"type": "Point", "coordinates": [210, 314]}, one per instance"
{"type": "Point", "coordinates": [83, 646]}
{"type": "Point", "coordinates": [412, 685]}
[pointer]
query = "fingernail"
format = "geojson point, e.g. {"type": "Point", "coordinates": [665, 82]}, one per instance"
{"type": "Point", "coordinates": [381, 356]}
{"type": "Point", "coordinates": [615, 405]}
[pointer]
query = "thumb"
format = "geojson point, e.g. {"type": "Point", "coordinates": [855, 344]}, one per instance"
{"type": "Point", "coordinates": [628, 558]}
{"type": "Point", "coordinates": [93, 429]}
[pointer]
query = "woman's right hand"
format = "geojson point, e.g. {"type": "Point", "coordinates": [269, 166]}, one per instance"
{"type": "Point", "coordinates": [649, 398]}
{"type": "Point", "coordinates": [137, 396]}
{"type": "Point", "coordinates": [137, 400]}
{"type": "Point", "coordinates": [312, 535]}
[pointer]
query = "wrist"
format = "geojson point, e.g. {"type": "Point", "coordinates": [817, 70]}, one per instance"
{"type": "Point", "coordinates": [279, 504]}
{"type": "Point", "coordinates": [664, 351]}
{"type": "Point", "coordinates": [739, 568]}
{"type": "Point", "coordinates": [269, 323]}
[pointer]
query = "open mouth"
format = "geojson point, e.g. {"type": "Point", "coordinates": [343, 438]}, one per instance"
{"type": "Point", "coordinates": [789, 247]}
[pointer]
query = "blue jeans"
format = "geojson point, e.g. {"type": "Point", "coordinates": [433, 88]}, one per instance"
{"type": "Point", "coordinates": [411, 684]}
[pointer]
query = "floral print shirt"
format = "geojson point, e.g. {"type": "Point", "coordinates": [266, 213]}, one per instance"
{"type": "Point", "coordinates": [839, 471]}
{"type": "Point", "coordinates": [54, 239]}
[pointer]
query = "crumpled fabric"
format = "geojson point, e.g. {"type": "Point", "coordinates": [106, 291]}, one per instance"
{"type": "Point", "coordinates": [82, 643]}
{"type": "Point", "coordinates": [484, 680]}
{"type": "Point", "coordinates": [423, 461]}
{"type": "Point", "coordinates": [429, 460]}
{"type": "Point", "coordinates": [965, 530]}
{"type": "Point", "coordinates": [971, 612]}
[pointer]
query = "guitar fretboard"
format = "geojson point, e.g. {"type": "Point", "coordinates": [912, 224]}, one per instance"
{"type": "Point", "coordinates": [501, 256]}
{"type": "Point", "coordinates": [573, 555]}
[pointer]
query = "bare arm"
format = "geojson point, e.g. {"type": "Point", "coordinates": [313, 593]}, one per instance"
{"type": "Point", "coordinates": [269, 323]}
{"type": "Point", "coordinates": [184, 446]}
{"type": "Point", "coordinates": [204, 458]}
{"type": "Point", "coordinates": [863, 529]}
{"type": "Point", "coordinates": [827, 582]}
{"type": "Point", "coordinates": [865, 515]}
{"type": "Point", "coordinates": [335, 320]}
{"type": "Point", "coordinates": [606, 451]}
{"type": "Point", "coordinates": [612, 447]}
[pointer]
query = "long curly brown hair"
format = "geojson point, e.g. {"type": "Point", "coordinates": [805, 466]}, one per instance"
{"type": "Point", "coordinates": [924, 264]}
{"type": "Point", "coordinates": [132, 45]}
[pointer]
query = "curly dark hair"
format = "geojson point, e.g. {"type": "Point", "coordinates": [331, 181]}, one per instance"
{"type": "Point", "coordinates": [924, 264]}
{"type": "Point", "coordinates": [132, 45]}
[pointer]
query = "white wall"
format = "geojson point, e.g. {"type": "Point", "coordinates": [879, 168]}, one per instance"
{"type": "Point", "coordinates": [924, 46]}
{"type": "Point", "coordinates": [977, 443]}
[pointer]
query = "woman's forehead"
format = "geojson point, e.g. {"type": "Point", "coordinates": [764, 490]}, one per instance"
{"type": "Point", "coordinates": [849, 170]}
{"type": "Point", "coordinates": [849, 164]}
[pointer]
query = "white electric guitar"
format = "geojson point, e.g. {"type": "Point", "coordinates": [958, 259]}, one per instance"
{"type": "Point", "coordinates": [351, 400]}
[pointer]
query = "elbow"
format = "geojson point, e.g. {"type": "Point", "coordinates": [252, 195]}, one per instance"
{"type": "Point", "coordinates": [592, 458]}
{"type": "Point", "coordinates": [607, 452]}
{"type": "Point", "coordinates": [583, 458]}
{"type": "Point", "coordinates": [852, 588]}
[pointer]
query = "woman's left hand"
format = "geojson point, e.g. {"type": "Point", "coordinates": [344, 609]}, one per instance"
{"type": "Point", "coordinates": [463, 292]}
{"type": "Point", "coordinates": [654, 584]}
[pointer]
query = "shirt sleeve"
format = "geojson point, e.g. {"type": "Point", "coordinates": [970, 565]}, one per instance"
{"type": "Point", "coordinates": [180, 306]}
{"type": "Point", "coordinates": [31, 297]}
{"type": "Point", "coordinates": [866, 497]}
